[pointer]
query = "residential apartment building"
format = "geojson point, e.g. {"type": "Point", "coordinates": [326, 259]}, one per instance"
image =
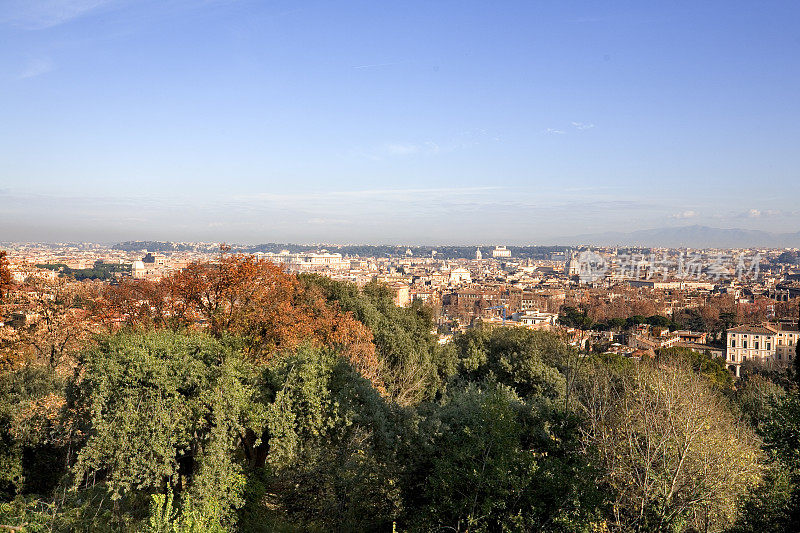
{"type": "Point", "coordinates": [761, 343]}
{"type": "Point", "coordinates": [786, 342]}
{"type": "Point", "coordinates": [535, 318]}
{"type": "Point", "coordinates": [654, 341]}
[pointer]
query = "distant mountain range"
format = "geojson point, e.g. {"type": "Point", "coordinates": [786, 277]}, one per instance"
{"type": "Point", "coordinates": [690, 237]}
{"type": "Point", "coordinates": [672, 237]}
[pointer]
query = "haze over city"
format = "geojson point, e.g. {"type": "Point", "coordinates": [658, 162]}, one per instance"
{"type": "Point", "coordinates": [446, 122]}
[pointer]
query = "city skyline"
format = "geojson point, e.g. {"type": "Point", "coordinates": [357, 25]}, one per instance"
{"type": "Point", "coordinates": [356, 123]}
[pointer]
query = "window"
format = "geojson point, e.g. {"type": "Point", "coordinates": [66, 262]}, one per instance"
{"type": "Point", "coordinates": [755, 345]}
{"type": "Point", "coordinates": [769, 346]}
{"type": "Point", "coordinates": [744, 344]}
{"type": "Point", "coordinates": [733, 343]}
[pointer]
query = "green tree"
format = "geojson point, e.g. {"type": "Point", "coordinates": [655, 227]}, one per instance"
{"type": "Point", "coordinates": [767, 508]}
{"type": "Point", "coordinates": [757, 398]}
{"type": "Point", "coordinates": [415, 365]}
{"type": "Point", "coordinates": [163, 412]}
{"type": "Point", "coordinates": [575, 318]}
{"type": "Point", "coordinates": [527, 361]}
{"type": "Point", "coordinates": [713, 369]}
{"type": "Point", "coordinates": [30, 461]}
{"type": "Point", "coordinates": [675, 457]}
{"type": "Point", "coordinates": [491, 462]}
{"type": "Point", "coordinates": [775, 504]}
{"type": "Point", "coordinates": [332, 443]}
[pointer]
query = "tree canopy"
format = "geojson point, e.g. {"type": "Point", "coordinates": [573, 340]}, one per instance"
{"type": "Point", "coordinates": [234, 396]}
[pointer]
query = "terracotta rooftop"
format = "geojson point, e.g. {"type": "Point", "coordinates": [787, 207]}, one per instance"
{"type": "Point", "coordinates": [784, 327]}
{"type": "Point", "coordinates": [755, 329]}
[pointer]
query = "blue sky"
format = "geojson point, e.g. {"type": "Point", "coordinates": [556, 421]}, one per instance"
{"type": "Point", "coordinates": [395, 122]}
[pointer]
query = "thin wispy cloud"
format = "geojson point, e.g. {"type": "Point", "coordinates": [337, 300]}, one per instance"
{"type": "Point", "coordinates": [390, 150]}
{"type": "Point", "coordinates": [428, 147]}
{"type": "Point", "coordinates": [593, 188]}
{"type": "Point", "coordinates": [36, 67]}
{"type": "Point", "coordinates": [758, 213]}
{"type": "Point", "coordinates": [689, 213]}
{"type": "Point", "coordinates": [580, 126]}
{"type": "Point", "coordinates": [464, 140]}
{"type": "Point", "coordinates": [476, 136]}
{"type": "Point", "coordinates": [417, 213]}
{"type": "Point", "coordinates": [371, 194]}
{"type": "Point", "coordinates": [42, 14]}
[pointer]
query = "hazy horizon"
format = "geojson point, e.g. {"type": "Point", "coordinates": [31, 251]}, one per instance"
{"type": "Point", "coordinates": [689, 236]}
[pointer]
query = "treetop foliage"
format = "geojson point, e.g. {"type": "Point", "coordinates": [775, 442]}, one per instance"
{"type": "Point", "coordinates": [233, 396]}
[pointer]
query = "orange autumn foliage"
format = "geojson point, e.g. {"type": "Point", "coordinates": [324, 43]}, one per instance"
{"type": "Point", "coordinates": [241, 295]}
{"type": "Point", "coordinates": [46, 322]}
{"type": "Point", "coordinates": [43, 419]}
{"type": "Point", "coordinates": [6, 280]}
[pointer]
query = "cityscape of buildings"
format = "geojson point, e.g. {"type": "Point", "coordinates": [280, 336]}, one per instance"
{"type": "Point", "coordinates": [735, 304]}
